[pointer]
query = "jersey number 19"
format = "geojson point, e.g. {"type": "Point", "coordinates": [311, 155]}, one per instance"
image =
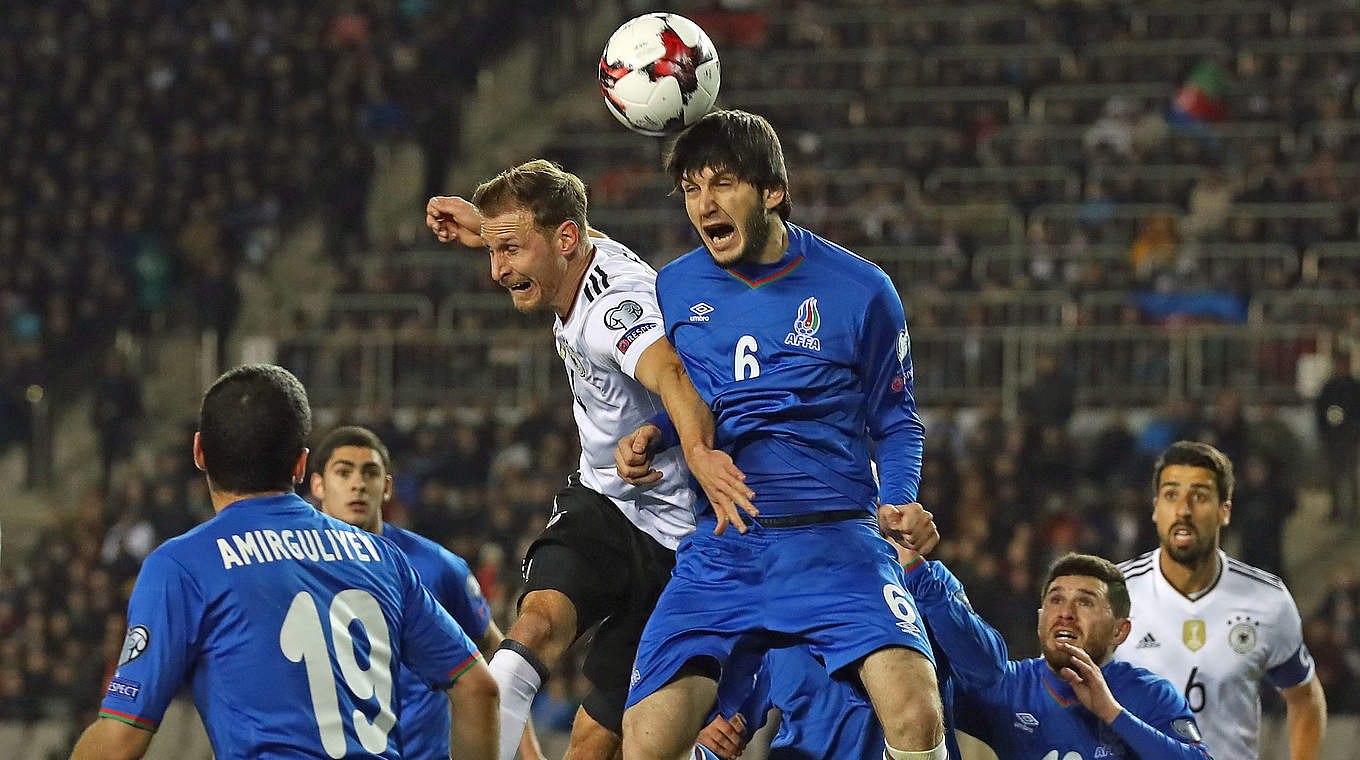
{"type": "Point", "coordinates": [302, 640]}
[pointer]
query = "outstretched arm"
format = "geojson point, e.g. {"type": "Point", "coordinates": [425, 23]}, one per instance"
{"type": "Point", "coordinates": [977, 653]}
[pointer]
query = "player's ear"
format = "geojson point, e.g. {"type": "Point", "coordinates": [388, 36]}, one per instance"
{"type": "Point", "coordinates": [318, 484]}
{"type": "Point", "coordinates": [1121, 631]}
{"type": "Point", "coordinates": [567, 237]}
{"type": "Point", "coordinates": [387, 488]}
{"type": "Point", "coordinates": [198, 454]}
{"type": "Point", "coordinates": [773, 197]}
{"type": "Point", "coordinates": [1225, 512]}
{"type": "Point", "coordinates": [300, 466]}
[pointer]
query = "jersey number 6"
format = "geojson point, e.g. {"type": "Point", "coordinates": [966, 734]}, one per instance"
{"type": "Point", "coordinates": [302, 640]}
{"type": "Point", "coordinates": [745, 365]}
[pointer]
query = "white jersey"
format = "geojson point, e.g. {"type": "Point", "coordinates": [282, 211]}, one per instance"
{"type": "Point", "coordinates": [1217, 648]}
{"type": "Point", "coordinates": [615, 318]}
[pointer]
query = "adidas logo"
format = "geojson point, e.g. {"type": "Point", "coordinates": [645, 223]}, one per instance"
{"type": "Point", "coordinates": [1148, 642]}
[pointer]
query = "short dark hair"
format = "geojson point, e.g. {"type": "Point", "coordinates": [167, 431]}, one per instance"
{"type": "Point", "coordinates": [253, 425]}
{"type": "Point", "coordinates": [349, 435]}
{"type": "Point", "coordinates": [1099, 568]}
{"type": "Point", "coordinates": [551, 194]}
{"type": "Point", "coordinates": [1197, 454]}
{"type": "Point", "coordinates": [733, 141]}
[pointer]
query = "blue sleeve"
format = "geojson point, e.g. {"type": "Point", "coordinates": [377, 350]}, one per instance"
{"type": "Point", "coordinates": [1293, 671]}
{"type": "Point", "coordinates": [1180, 740]}
{"type": "Point", "coordinates": [161, 644]}
{"type": "Point", "coordinates": [461, 595]}
{"type": "Point", "coordinates": [885, 369]}
{"type": "Point", "coordinates": [433, 645]}
{"type": "Point", "coordinates": [977, 653]}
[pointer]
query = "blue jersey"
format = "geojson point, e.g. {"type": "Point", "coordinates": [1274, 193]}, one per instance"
{"type": "Point", "coordinates": [806, 364]}
{"type": "Point", "coordinates": [424, 715]}
{"type": "Point", "coordinates": [1029, 712]}
{"type": "Point", "coordinates": [289, 625]}
{"type": "Point", "coordinates": [826, 717]}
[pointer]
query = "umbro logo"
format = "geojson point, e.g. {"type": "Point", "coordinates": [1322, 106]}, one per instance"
{"type": "Point", "coordinates": [700, 311]}
{"type": "Point", "coordinates": [1148, 642]}
{"type": "Point", "coordinates": [1026, 722]}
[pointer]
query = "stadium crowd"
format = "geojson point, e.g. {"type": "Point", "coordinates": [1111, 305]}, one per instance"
{"type": "Point", "coordinates": [152, 148]}
{"type": "Point", "coordinates": [131, 192]}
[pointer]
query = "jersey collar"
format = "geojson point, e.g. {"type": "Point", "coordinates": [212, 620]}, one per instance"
{"type": "Point", "coordinates": [756, 275]}
{"type": "Point", "coordinates": [1198, 596]}
{"type": "Point", "coordinates": [279, 501]}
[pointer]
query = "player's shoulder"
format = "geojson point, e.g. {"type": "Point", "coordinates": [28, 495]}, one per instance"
{"type": "Point", "coordinates": [1245, 586]}
{"type": "Point", "coordinates": [1249, 577]}
{"type": "Point", "coordinates": [418, 546]}
{"type": "Point", "coordinates": [689, 264]}
{"type": "Point", "coordinates": [848, 265]}
{"type": "Point", "coordinates": [1139, 570]}
{"type": "Point", "coordinates": [1139, 686]}
{"type": "Point", "coordinates": [620, 263]}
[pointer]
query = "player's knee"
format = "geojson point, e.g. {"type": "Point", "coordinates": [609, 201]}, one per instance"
{"type": "Point", "coordinates": [546, 624]}
{"type": "Point", "coordinates": [916, 722]}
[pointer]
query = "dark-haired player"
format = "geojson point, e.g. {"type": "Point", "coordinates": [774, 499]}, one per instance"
{"type": "Point", "coordinates": [289, 624]}
{"type": "Point", "coordinates": [352, 479]}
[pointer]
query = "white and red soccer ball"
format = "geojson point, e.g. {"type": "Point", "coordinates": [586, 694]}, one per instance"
{"type": "Point", "coordinates": [659, 73]}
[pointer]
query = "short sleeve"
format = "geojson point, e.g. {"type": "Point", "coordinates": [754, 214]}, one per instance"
{"type": "Point", "coordinates": [620, 326]}
{"type": "Point", "coordinates": [160, 646]}
{"type": "Point", "coordinates": [434, 647]}
{"type": "Point", "coordinates": [1290, 663]}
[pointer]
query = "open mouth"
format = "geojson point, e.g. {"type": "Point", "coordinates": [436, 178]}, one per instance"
{"type": "Point", "coordinates": [520, 287]}
{"type": "Point", "coordinates": [720, 233]}
{"type": "Point", "coordinates": [1182, 535]}
{"type": "Point", "coordinates": [1065, 637]}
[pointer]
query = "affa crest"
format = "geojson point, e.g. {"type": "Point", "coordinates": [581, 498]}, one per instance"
{"type": "Point", "coordinates": [805, 326]}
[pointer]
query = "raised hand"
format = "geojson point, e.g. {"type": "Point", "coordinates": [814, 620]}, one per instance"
{"type": "Point", "coordinates": [453, 218]}
{"type": "Point", "coordinates": [1089, 684]}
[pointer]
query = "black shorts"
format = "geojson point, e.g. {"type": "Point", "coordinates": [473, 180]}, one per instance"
{"type": "Point", "coordinates": [612, 572]}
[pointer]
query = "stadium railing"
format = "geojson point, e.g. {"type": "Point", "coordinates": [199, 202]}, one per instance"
{"type": "Point", "coordinates": [1320, 18]}
{"type": "Point", "coordinates": [1298, 306]}
{"type": "Point", "coordinates": [1174, 18]}
{"type": "Point", "coordinates": [1153, 60]}
{"type": "Point", "coordinates": [998, 183]}
{"type": "Point", "coordinates": [1118, 223]}
{"type": "Point", "coordinates": [951, 64]}
{"type": "Point", "coordinates": [1082, 103]}
{"type": "Point", "coordinates": [943, 22]}
{"type": "Point", "coordinates": [1332, 263]}
{"type": "Point", "coordinates": [1116, 364]}
{"type": "Point", "coordinates": [1340, 136]}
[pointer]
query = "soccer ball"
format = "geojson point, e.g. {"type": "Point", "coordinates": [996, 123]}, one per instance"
{"type": "Point", "coordinates": [659, 73]}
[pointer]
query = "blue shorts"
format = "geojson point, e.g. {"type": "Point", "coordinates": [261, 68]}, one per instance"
{"type": "Point", "coordinates": [835, 586]}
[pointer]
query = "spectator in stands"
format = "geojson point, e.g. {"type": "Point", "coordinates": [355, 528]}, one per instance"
{"type": "Point", "coordinates": [1156, 247]}
{"type": "Point", "coordinates": [117, 408]}
{"type": "Point", "coordinates": [1337, 412]}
